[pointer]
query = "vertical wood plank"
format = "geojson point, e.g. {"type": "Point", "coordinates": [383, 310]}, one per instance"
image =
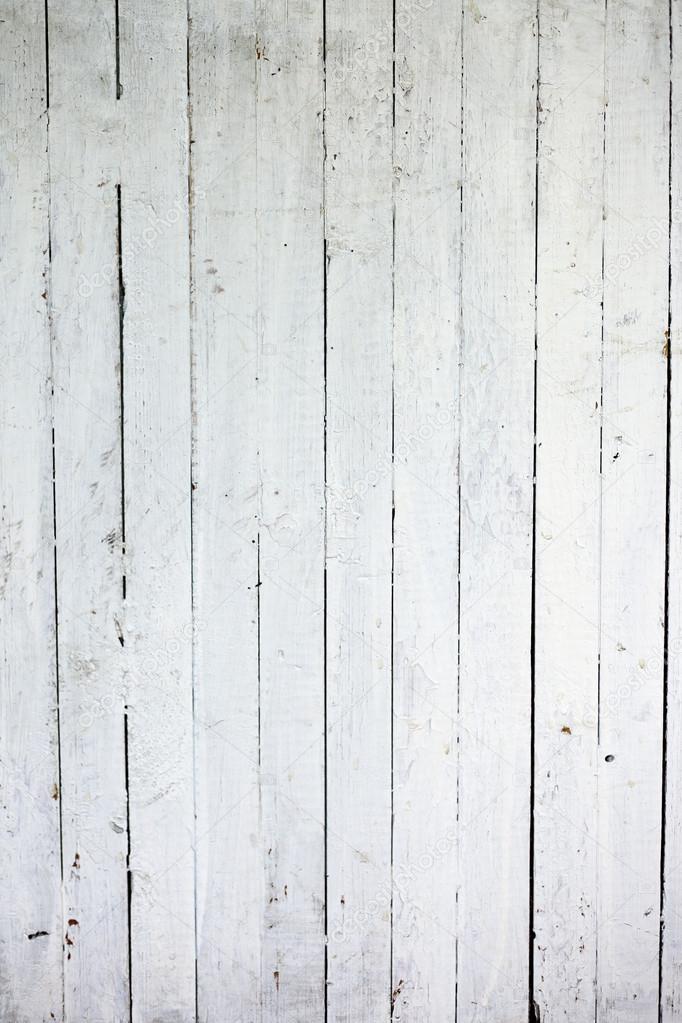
{"type": "Point", "coordinates": [634, 390]}
{"type": "Point", "coordinates": [30, 920]}
{"type": "Point", "coordinates": [157, 487]}
{"type": "Point", "coordinates": [567, 538]}
{"type": "Point", "coordinates": [500, 69]}
{"type": "Point", "coordinates": [427, 353]}
{"type": "Point", "coordinates": [290, 413]}
{"type": "Point", "coordinates": [633, 508]}
{"type": "Point", "coordinates": [359, 233]}
{"type": "Point", "coordinates": [671, 931]}
{"type": "Point", "coordinates": [230, 879]}
{"type": "Point", "coordinates": [89, 542]}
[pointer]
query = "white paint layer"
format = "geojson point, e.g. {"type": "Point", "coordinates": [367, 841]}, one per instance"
{"type": "Point", "coordinates": [500, 78]}
{"type": "Point", "coordinates": [427, 349]}
{"type": "Point", "coordinates": [359, 385]}
{"type": "Point", "coordinates": [339, 602]}
{"type": "Point", "coordinates": [230, 873]}
{"type": "Point", "coordinates": [31, 978]}
{"type": "Point", "coordinates": [89, 543]}
{"type": "Point", "coordinates": [157, 420]}
{"type": "Point", "coordinates": [567, 528]}
{"type": "Point", "coordinates": [633, 509]}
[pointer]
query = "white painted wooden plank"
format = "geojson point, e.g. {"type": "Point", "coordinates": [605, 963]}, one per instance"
{"type": "Point", "coordinates": [500, 78]}
{"type": "Point", "coordinates": [30, 920]}
{"type": "Point", "coordinates": [89, 551]}
{"type": "Point", "coordinates": [633, 509]}
{"type": "Point", "coordinates": [671, 921]}
{"type": "Point", "coordinates": [290, 422]}
{"type": "Point", "coordinates": [359, 216]}
{"type": "Point", "coordinates": [427, 353]}
{"type": "Point", "coordinates": [567, 537]}
{"type": "Point", "coordinates": [230, 873]}
{"type": "Point", "coordinates": [157, 483]}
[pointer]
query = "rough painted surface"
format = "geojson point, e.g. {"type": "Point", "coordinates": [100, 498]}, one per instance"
{"type": "Point", "coordinates": [567, 520]}
{"type": "Point", "coordinates": [340, 604]}
{"type": "Point", "coordinates": [31, 977]}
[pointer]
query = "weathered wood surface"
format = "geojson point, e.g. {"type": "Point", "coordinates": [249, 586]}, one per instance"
{"type": "Point", "coordinates": [341, 458]}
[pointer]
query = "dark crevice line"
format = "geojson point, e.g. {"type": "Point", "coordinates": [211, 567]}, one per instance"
{"type": "Point", "coordinates": [459, 475]}
{"type": "Point", "coordinates": [325, 672]}
{"type": "Point", "coordinates": [60, 808]}
{"type": "Point", "coordinates": [533, 1008]}
{"type": "Point", "coordinates": [325, 680]}
{"type": "Point", "coordinates": [265, 863]}
{"type": "Point", "coordinates": [192, 486]}
{"type": "Point", "coordinates": [258, 647]}
{"type": "Point", "coordinates": [601, 385]}
{"type": "Point", "coordinates": [121, 326]}
{"type": "Point", "coordinates": [129, 876]}
{"type": "Point", "coordinates": [48, 292]}
{"type": "Point", "coordinates": [56, 634]}
{"type": "Point", "coordinates": [666, 598]}
{"type": "Point", "coordinates": [47, 56]}
{"type": "Point", "coordinates": [392, 997]}
{"type": "Point", "coordinates": [117, 44]}
{"type": "Point", "coordinates": [121, 384]}
{"type": "Point", "coordinates": [121, 375]}
{"type": "Point", "coordinates": [55, 560]}
{"type": "Point", "coordinates": [601, 481]}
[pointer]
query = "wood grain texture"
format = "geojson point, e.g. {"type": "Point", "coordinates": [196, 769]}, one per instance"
{"type": "Point", "coordinates": [157, 420]}
{"type": "Point", "coordinates": [88, 530]}
{"type": "Point", "coordinates": [569, 489]}
{"type": "Point", "coordinates": [359, 386]}
{"type": "Point", "coordinates": [427, 349]}
{"type": "Point", "coordinates": [230, 869]}
{"type": "Point", "coordinates": [31, 980]}
{"type": "Point", "coordinates": [290, 416]}
{"type": "Point", "coordinates": [633, 509]}
{"type": "Point", "coordinates": [496, 493]}
{"type": "Point", "coordinates": [339, 600]}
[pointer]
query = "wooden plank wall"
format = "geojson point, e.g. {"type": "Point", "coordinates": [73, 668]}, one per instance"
{"type": "Point", "coordinates": [340, 476]}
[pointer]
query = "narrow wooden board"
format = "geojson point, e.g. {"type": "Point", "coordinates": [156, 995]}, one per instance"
{"type": "Point", "coordinates": [427, 349]}
{"type": "Point", "coordinates": [359, 386]}
{"type": "Point", "coordinates": [498, 272]}
{"type": "Point", "coordinates": [89, 541]}
{"type": "Point", "coordinates": [157, 496]}
{"type": "Point", "coordinates": [633, 542]}
{"type": "Point", "coordinates": [229, 851]}
{"type": "Point", "coordinates": [290, 422]}
{"type": "Point", "coordinates": [31, 978]}
{"type": "Point", "coordinates": [568, 506]}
